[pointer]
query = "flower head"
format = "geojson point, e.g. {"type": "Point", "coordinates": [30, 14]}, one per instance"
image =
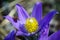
{"type": "Point", "coordinates": [29, 25]}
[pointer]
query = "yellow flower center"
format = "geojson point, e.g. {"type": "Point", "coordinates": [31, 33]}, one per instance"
{"type": "Point", "coordinates": [31, 25]}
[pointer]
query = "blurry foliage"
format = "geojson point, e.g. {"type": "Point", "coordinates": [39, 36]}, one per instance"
{"type": "Point", "coordinates": [47, 7]}
{"type": "Point", "coordinates": [58, 8]}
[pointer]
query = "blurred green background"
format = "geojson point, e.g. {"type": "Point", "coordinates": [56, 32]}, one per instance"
{"type": "Point", "coordinates": [7, 7]}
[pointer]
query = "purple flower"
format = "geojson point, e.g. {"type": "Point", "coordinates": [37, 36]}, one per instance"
{"type": "Point", "coordinates": [30, 25]}
{"type": "Point", "coordinates": [11, 36]}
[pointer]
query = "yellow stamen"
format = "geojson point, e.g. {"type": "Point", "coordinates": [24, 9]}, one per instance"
{"type": "Point", "coordinates": [31, 25]}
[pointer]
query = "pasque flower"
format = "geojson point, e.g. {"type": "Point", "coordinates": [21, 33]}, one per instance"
{"type": "Point", "coordinates": [30, 25]}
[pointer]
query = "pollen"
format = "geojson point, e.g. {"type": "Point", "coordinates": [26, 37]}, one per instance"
{"type": "Point", "coordinates": [31, 25]}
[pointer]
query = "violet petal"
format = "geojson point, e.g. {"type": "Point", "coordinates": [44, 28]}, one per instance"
{"type": "Point", "coordinates": [43, 35]}
{"type": "Point", "coordinates": [55, 36]}
{"type": "Point", "coordinates": [22, 14]}
{"type": "Point", "coordinates": [37, 11]}
{"type": "Point", "coordinates": [15, 24]}
{"type": "Point", "coordinates": [20, 33]}
{"type": "Point", "coordinates": [48, 17]}
{"type": "Point", "coordinates": [10, 36]}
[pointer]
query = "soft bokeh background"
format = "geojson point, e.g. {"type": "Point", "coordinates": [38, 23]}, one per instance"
{"type": "Point", "coordinates": [7, 7]}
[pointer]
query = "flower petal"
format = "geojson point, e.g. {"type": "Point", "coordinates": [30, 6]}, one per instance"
{"type": "Point", "coordinates": [22, 14]}
{"type": "Point", "coordinates": [10, 36]}
{"type": "Point", "coordinates": [10, 19]}
{"type": "Point", "coordinates": [45, 29]}
{"type": "Point", "coordinates": [48, 17]}
{"type": "Point", "coordinates": [37, 11]}
{"type": "Point", "coordinates": [43, 35]}
{"type": "Point", "coordinates": [20, 33]}
{"type": "Point", "coordinates": [22, 28]}
{"type": "Point", "coordinates": [15, 24]}
{"type": "Point", "coordinates": [18, 25]}
{"type": "Point", "coordinates": [55, 36]}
